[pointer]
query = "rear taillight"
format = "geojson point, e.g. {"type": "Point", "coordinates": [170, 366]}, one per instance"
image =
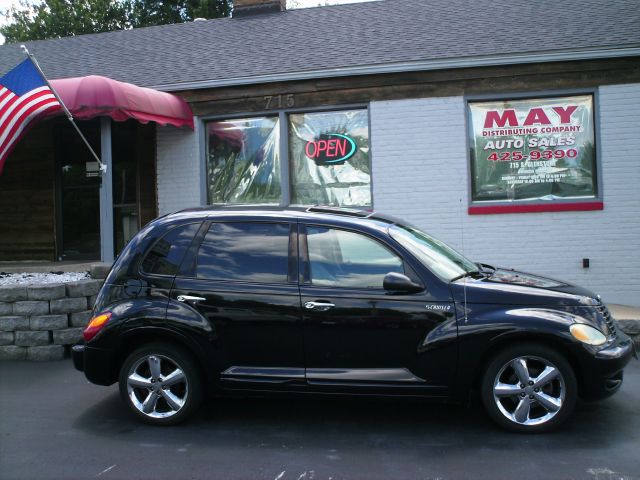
{"type": "Point", "coordinates": [95, 325]}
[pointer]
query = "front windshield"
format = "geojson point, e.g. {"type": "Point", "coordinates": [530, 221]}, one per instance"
{"type": "Point", "coordinates": [437, 256]}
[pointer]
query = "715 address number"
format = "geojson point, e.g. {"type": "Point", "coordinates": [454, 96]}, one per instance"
{"type": "Point", "coordinates": [279, 101]}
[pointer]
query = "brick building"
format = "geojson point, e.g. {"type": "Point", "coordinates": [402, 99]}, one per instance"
{"type": "Point", "coordinates": [505, 130]}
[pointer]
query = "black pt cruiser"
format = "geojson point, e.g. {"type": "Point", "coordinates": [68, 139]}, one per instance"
{"type": "Point", "coordinates": [325, 300]}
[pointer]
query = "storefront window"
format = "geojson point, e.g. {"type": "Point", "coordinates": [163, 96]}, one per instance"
{"type": "Point", "coordinates": [329, 158]}
{"type": "Point", "coordinates": [533, 149]}
{"type": "Point", "coordinates": [243, 161]}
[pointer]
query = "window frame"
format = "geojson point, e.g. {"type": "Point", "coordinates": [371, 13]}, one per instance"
{"type": "Point", "coordinates": [487, 207]}
{"type": "Point", "coordinates": [305, 265]}
{"type": "Point", "coordinates": [283, 116]}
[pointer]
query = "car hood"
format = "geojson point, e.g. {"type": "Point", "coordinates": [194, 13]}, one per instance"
{"type": "Point", "coordinates": [509, 287]}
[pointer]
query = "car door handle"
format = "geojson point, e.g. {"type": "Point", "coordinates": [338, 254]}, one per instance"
{"type": "Point", "coordinates": [190, 298]}
{"type": "Point", "coordinates": [319, 306]}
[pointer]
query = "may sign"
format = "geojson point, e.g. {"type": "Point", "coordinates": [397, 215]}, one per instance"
{"type": "Point", "coordinates": [533, 149]}
{"type": "Point", "coordinates": [330, 149]}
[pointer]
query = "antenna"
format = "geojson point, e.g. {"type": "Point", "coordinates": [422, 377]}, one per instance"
{"type": "Point", "coordinates": [464, 279]}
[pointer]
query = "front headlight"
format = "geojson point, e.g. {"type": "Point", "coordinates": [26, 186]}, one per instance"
{"type": "Point", "coordinates": [587, 334]}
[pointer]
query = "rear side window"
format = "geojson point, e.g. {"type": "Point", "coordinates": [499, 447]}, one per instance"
{"type": "Point", "coordinates": [166, 254]}
{"type": "Point", "coordinates": [249, 252]}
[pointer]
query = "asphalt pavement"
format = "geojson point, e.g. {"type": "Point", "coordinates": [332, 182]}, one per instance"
{"type": "Point", "coordinates": [56, 425]}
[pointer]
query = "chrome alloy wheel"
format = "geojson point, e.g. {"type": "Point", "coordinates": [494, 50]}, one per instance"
{"type": "Point", "coordinates": [529, 390]}
{"type": "Point", "coordinates": [157, 386]}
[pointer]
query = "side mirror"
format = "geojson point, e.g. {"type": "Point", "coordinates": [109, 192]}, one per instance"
{"type": "Point", "coordinates": [397, 282]}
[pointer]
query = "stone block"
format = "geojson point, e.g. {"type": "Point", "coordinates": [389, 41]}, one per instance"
{"type": "Point", "coordinates": [46, 353]}
{"type": "Point", "coordinates": [68, 336]}
{"type": "Point", "coordinates": [46, 292]}
{"type": "Point", "coordinates": [13, 352]}
{"type": "Point", "coordinates": [12, 293]}
{"type": "Point", "coordinates": [99, 270]}
{"type": "Point", "coordinates": [11, 323]}
{"type": "Point", "coordinates": [92, 300]}
{"type": "Point", "coordinates": [80, 319]}
{"type": "Point", "coordinates": [630, 327]}
{"type": "Point", "coordinates": [83, 288]}
{"type": "Point", "coordinates": [68, 305]}
{"type": "Point", "coordinates": [6, 308]}
{"type": "Point", "coordinates": [31, 307]}
{"type": "Point", "coordinates": [48, 322]}
{"type": "Point", "coordinates": [32, 339]}
{"type": "Point", "coordinates": [6, 338]}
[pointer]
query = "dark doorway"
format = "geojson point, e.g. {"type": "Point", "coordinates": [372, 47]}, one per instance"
{"type": "Point", "coordinates": [78, 196]}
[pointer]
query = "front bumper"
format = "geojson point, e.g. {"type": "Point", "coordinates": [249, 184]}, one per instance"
{"type": "Point", "coordinates": [603, 368]}
{"type": "Point", "coordinates": [96, 363]}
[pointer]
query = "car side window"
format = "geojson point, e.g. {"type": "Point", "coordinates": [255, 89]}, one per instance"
{"type": "Point", "coordinates": [250, 252]}
{"type": "Point", "coordinates": [166, 254]}
{"type": "Point", "coordinates": [339, 258]}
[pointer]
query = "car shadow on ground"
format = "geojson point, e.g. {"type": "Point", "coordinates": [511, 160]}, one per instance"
{"type": "Point", "coordinates": [295, 422]}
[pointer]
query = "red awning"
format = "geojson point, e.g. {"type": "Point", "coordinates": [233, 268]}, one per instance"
{"type": "Point", "coordinates": [94, 96]}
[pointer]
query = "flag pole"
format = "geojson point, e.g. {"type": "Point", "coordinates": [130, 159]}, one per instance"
{"type": "Point", "coordinates": [103, 167]}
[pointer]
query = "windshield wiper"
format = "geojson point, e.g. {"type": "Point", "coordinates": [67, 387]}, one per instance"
{"type": "Point", "coordinates": [485, 268]}
{"type": "Point", "coordinates": [468, 274]}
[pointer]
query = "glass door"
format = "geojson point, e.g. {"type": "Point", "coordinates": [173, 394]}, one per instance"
{"type": "Point", "coordinates": [78, 202]}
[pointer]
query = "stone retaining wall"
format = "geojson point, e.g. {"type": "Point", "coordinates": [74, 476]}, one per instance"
{"type": "Point", "coordinates": [40, 322]}
{"type": "Point", "coordinates": [631, 328]}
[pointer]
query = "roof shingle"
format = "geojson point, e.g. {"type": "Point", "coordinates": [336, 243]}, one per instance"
{"type": "Point", "coordinates": [362, 34]}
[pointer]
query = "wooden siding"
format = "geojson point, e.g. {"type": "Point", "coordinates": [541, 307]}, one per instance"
{"type": "Point", "coordinates": [363, 89]}
{"type": "Point", "coordinates": [27, 201]}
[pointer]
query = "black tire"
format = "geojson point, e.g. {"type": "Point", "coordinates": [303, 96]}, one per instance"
{"type": "Point", "coordinates": [523, 409]}
{"type": "Point", "coordinates": [174, 397]}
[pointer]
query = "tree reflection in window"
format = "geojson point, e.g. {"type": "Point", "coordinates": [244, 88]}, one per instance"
{"type": "Point", "coordinates": [243, 161]}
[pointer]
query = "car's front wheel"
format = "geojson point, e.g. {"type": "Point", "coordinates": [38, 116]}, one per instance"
{"type": "Point", "coordinates": [160, 383]}
{"type": "Point", "coordinates": [529, 388]}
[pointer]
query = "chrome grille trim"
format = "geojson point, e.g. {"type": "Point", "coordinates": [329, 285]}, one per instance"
{"type": "Point", "coordinates": [606, 315]}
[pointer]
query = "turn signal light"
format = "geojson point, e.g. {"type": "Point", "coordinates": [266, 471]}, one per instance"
{"type": "Point", "coordinates": [95, 325]}
{"type": "Point", "coordinates": [587, 334]}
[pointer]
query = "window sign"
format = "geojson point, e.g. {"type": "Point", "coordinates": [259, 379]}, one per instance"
{"type": "Point", "coordinates": [243, 161]}
{"type": "Point", "coordinates": [329, 158]}
{"type": "Point", "coordinates": [533, 149]}
{"type": "Point", "coordinates": [330, 148]}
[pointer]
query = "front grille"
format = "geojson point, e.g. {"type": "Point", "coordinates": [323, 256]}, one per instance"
{"type": "Point", "coordinates": [606, 315]}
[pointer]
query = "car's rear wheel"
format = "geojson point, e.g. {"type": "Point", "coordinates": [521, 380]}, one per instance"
{"type": "Point", "coordinates": [529, 388]}
{"type": "Point", "coordinates": [161, 384]}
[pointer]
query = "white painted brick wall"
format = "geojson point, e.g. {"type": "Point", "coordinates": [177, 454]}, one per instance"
{"type": "Point", "coordinates": [420, 172]}
{"type": "Point", "coordinates": [178, 169]}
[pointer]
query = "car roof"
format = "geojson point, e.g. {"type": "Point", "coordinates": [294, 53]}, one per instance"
{"type": "Point", "coordinates": [318, 213]}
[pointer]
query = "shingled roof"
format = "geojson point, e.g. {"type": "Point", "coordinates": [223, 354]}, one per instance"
{"type": "Point", "coordinates": [395, 35]}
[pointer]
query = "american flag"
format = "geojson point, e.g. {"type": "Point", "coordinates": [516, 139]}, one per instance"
{"type": "Point", "coordinates": [24, 96]}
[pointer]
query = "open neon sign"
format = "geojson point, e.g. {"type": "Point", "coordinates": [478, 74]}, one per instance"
{"type": "Point", "coordinates": [330, 149]}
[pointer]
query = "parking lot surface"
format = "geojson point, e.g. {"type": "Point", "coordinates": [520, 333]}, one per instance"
{"type": "Point", "coordinates": [55, 425]}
